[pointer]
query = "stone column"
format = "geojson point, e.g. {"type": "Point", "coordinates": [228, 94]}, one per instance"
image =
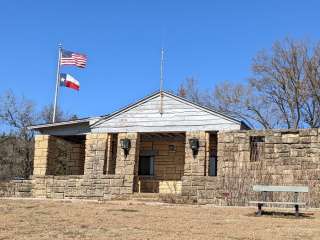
{"type": "Point", "coordinates": [43, 154]}
{"type": "Point", "coordinates": [96, 147]}
{"type": "Point", "coordinates": [195, 164]}
{"type": "Point", "coordinates": [127, 165]}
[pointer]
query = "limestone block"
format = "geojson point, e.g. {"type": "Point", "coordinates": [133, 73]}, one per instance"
{"type": "Point", "coordinates": [228, 138]}
{"type": "Point", "coordinates": [290, 138]}
{"type": "Point", "coordinates": [305, 139]}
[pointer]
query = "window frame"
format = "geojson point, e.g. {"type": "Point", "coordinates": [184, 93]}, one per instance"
{"type": "Point", "coordinates": [257, 148]}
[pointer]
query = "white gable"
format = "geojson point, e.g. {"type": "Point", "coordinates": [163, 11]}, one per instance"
{"type": "Point", "coordinates": [178, 115]}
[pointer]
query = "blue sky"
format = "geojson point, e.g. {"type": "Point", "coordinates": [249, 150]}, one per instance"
{"type": "Point", "coordinates": [209, 40]}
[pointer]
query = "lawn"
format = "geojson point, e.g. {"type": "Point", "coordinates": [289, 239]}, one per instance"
{"type": "Point", "coordinates": [45, 219]}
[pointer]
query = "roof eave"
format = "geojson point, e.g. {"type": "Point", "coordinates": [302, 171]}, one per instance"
{"type": "Point", "coordinates": [50, 125]}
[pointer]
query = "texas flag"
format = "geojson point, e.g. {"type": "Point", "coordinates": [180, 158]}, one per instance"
{"type": "Point", "coordinates": [68, 81]}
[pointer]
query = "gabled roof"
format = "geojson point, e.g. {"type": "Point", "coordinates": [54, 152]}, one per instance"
{"type": "Point", "coordinates": [169, 94]}
{"type": "Point", "coordinates": [98, 120]}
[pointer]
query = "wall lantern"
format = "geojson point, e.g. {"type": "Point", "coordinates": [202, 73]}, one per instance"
{"type": "Point", "coordinates": [194, 145]}
{"type": "Point", "coordinates": [125, 145]}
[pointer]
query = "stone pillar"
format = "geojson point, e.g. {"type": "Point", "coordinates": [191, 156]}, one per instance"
{"type": "Point", "coordinates": [43, 154]}
{"type": "Point", "coordinates": [96, 147]}
{"type": "Point", "coordinates": [195, 164]}
{"type": "Point", "coordinates": [127, 165]}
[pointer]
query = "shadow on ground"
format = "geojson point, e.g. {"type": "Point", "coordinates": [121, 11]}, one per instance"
{"type": "Point", "coordinates": [286, 215]}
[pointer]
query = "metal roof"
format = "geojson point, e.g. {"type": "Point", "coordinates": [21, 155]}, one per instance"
{"type": "Point", "coordinates": [62, 123]}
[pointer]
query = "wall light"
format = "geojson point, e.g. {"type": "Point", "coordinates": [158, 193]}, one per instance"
{"type": "Point", "coordinates": [194, 145]}
{"type": "Point", "coordinates": [125, 145]}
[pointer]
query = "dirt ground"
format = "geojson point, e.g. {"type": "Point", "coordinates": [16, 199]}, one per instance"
{"type": "Point", "coordinates": [35, 219]}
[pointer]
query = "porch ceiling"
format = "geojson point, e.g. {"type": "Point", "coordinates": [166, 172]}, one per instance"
{"type": "Point", "coordinates": [169, 136]}
{"type": "Point", "coordinates": [73, 138]}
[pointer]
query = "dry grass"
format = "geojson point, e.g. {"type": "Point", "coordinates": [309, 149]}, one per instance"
{"type": "Point", "coordinates": [22, 219]}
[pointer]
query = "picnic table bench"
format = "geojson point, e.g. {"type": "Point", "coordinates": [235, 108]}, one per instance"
{"type": "Point", "coordinates": [264, 189]}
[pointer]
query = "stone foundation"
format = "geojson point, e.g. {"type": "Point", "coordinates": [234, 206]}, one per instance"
{"type": "Point", "coordinates": [16, 188]}
{"type": "Point", "coordinates": [104, 187]}
{"type": "Point", "coordinates": [67, 187]}
{"type": "Point", "coordinates": [204, 189]}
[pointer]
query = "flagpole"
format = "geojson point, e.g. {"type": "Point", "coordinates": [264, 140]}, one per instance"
{"type": "Point", "coordinates": [161, 82]}
{"type": "Point", "coordinates": [57, 84]}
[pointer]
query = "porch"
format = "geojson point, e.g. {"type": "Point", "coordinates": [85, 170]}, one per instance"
{"type": "Point", "coordinates": [161, 162]}
{"type": "Point", "coordinates": [100, 165]}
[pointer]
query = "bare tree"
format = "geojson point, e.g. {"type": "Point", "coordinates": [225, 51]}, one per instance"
{"type": "Point", "coordinates": [279, 76]}
{"type": "Point", "coordinates": [311, 106]}
{"type": "Point", "coordinates": [189, 89]}
{"type": "Point", "coordinates": [16, 145]}
{"type": "Point", "coordinates": [47, 113]}
{"type": "Point", "coordinates": [17, 115]}
{"type": "Point", "coordinates": [289, 78]}
{"type": "Point", "coordinates": [284, 91]}
{"type": "Point", "coordinates": [242, 102]}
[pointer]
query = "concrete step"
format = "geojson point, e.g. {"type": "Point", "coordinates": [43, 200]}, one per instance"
{"type": "Point", "coordinates": [145, 197]}
{"type": "Point", "coordinates": [156, 197]}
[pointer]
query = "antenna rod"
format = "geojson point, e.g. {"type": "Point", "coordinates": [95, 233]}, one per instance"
{"type": "Point", "coordinates": [161, 71]}
{"type": "Point", "coordinates": [161, 82]}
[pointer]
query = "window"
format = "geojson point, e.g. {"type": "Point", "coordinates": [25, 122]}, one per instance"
{"type": "Point", "coordinates": [213, 150]}
{"type": "Point", "coordinates": [213, 166]}
{"type": "Point", "coordinates": [256, 148]}
{"type": "Point", "coordinates": [146, 166]}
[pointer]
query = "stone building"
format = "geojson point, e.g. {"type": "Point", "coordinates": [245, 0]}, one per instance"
{"type": "Point", "coordinates": [166, 144]}
{"type": "Point", "coordinates": [144, 147]}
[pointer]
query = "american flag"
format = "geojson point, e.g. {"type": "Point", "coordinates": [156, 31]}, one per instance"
{"type": "Point", "coordinates": [72, 58]}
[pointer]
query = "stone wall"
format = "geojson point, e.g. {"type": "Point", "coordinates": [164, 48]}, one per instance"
{"type": "Point", "coordinates": [287, 158]}
{"type": "Point", "coordinates": [204, 189]}
{"type": "Point", "coordinates": [94, 184]}
{"type": "Point", "coordinates": [195, 164]}
{"type": "Point", "coordinates": [61, 187]}
{"type": "Point", "coordinates": [16, 188]}
{"type": "Point", "coordinates": [80, 187]}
